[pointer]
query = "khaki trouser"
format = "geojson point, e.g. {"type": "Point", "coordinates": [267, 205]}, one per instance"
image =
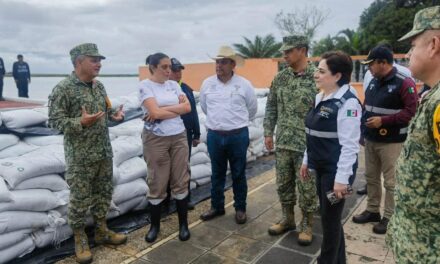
{"type": "Point", "coordinates": [381, 158]}
{"type": "Point", "coordinates": [167, 161]}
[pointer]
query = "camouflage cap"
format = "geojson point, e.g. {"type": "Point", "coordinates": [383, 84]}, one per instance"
{"type": "Point", "coordinates": [291, 42]}
{"type": "Point", "coordinates": [425, 19]}
{"type": "Point", "coordinates": [87, 49]}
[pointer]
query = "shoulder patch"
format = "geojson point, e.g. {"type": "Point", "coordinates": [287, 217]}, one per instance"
{"type": "Point", "coordinates": [436, 128]}
{"type": "Point", "coordinates": [411, 90]}
{"type": "Point", "coordinates": [352, 113]}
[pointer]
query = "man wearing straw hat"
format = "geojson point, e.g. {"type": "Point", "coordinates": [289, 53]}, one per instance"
{"type": "Point", "coordinates": [414, 228]}
{"type": "Point", "coordinates": [229, 102]}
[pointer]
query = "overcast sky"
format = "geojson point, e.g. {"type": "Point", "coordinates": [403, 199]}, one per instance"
{"type": "Point", "coordinates": [126, 31]}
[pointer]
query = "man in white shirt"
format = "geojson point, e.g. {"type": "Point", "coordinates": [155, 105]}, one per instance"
{"type": "Point", "coordinates": [229, 102]}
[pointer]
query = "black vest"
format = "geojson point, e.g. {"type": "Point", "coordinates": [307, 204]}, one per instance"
{"type": "Point", "coordinates": [323, 148]}
{"type": "Point", "coordinates": [382, 97]}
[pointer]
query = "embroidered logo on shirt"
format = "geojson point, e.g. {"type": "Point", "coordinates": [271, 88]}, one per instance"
{"type": "Point", "coordinates": [391, 87]}
{"type": "Point", "coordinates": [352, 113]}
{"type": "Point", "coordinates": [325, 111]}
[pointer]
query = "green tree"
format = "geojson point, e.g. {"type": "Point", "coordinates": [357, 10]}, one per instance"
{"type": "Point", "coordinates": [261, 47]}
{"type": "Point", "coordinates": [388, 20]}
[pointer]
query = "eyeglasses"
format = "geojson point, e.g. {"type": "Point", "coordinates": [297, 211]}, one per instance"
{"type": "Point", "coordinates": [165, 66]}
{"type": "Point", "coordinates": [223, 61]}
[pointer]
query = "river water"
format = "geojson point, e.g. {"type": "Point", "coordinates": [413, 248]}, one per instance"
{"type": "Point", "coordinates": [41, 87]}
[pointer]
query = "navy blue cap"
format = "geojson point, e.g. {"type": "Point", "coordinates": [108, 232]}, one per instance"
{"type": "Point", "coordinates": [176, 65]}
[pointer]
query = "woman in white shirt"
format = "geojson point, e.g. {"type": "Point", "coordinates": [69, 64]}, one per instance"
{"type": "Point", "coordinates": [332, 136]}
{"type": "Point", "coordinates": [165, 143]}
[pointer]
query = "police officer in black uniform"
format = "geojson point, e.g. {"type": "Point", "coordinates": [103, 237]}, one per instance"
{"type": "Point", "coordinates": [332, 137]}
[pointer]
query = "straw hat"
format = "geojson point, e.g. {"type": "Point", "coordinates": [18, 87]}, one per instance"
{"type": "Point", "coordinates": [229, 53]}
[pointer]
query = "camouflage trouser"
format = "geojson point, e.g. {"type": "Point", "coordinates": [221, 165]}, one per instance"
{"type": "Point", "coordinates": [414, 238]}
{"type": "Point", "coordinates": [288, 164]}
{"type": "Point", "coordinates": [90, 187]}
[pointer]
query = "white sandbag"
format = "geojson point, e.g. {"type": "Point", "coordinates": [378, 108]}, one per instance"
{"type": "Point", "coordinates": [18, 250]}
{"type": "Point", "coordinates": [131, 170]}
{"type": "Point", "coordinates": [200, 148]}
{"type": "Point", "coordinates": [192, 185]}
{"type": "Point", "coordinates": [261, 92]}
{"type": "Point", "coordinates": [52, 182]}
{"type": "Point", "coordinates": [256, 147]}
{"type": "Point", "coordinates": [203, 133]}
{"type": "Point", "coordinates": [11, 238]}
{"type": "Point", "coordinates": [203, 181]}
{"type": "Point", "coordinates": [16, 220]}
{"type": "Point", "coordinates": [125, 148]}
{"type": "Point", "coordinates": [200, 171]}
{"type": "Point", "coordinates": [127, 191]}
{"type": "Point", "coordinates": [52, 236]}
{"type": "Point", "coordinates": [43, 161]}
{"type": "Point", "coordinates": [36, 200]}
{"type": "Point", "coordinates": [129, 205]}
{"type": "Point", "coordinates": [45, 140]}
{"type": "Point", "coordinates": [5, 194]}
{"type": "Point", "coordinates": [22, 118]}
{"type": "Point", "coordinates": [199, 158]}
{"type": "Point", "coordinates": [130, 128]}
{"type": "Point", "coordinates": [255, 133]}
{"type": "Point", "coordinates": [7, 140]}
{"type": "Point", "coordinates": [142, 205]}
{"type": "Point", "coordinates": [257, 122]}
{"type": "Point", "coordinates": [130, 101]}
{"type": "Point", "coordinates": [17, 150]}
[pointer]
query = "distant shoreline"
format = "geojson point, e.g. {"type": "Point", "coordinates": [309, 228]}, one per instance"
{"type": "Point", "coordinates": [65, 75]}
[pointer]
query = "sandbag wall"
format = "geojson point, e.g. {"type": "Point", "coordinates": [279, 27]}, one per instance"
{"type": "Point", "coordinates": [34, 194]}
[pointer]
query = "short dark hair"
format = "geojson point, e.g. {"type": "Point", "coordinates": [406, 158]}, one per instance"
{"type": "Point", "coordinates": [339, 62]}
{"type": "Point", "coordinates": [19, 56]}
{"type": "Point", "coordinates": [154, 59]}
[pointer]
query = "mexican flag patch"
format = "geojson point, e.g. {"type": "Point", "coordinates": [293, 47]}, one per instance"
{"type": "Point", "coordinates": [352, 113]}
{"type": "Point", "coordinates": [411, 90]}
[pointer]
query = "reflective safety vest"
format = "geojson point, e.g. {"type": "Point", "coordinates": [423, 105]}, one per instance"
{"type": "Point", "coordinates": [382, 98]}
{"type": "Point", "coordinates": [323, 148]}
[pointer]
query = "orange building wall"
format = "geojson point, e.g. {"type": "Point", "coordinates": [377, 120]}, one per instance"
{"type": "Point", "coordinates": [259, 71]}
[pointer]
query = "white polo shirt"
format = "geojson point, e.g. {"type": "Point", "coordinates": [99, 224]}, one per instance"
{"type": "Point", "coordinates": [228, 105]}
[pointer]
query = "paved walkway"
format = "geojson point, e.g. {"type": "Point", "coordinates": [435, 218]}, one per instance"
{"type": "Point", "coordinates": [223, 241]}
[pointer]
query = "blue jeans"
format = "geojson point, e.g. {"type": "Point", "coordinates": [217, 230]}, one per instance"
{"type": "Point", "coordinates": [233, 148]}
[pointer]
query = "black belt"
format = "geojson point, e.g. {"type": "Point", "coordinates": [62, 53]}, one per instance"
{"type": "Point", "coordinates": [228, 132]}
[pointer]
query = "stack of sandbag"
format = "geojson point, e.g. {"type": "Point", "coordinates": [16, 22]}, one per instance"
{"type": "Point", "coordinates": [200, 165]}
{"type": "Point", "coordinates": [23, 118]}
{"type": "Point", "coordinates": [129, 171]}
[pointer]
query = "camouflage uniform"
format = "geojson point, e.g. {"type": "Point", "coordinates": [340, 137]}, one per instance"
{"type": "Point", "coordinates": [414, 231]}
{"type": "Point", "coordinates": [87, 150]}
{"type": "Point", "coordinates": [290, 98]}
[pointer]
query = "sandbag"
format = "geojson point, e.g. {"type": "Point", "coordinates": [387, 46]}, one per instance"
{"type": "Point", "coordinates": [129, 128]}
{"type": "Point", "coordinates": [17, 150]}
{"type": "Point", "coordinates": [125, 148]}
{"type": "Point", "coordinates": [45, 140]}
{"type": "Point", "coordinates": [129, 205]}
{"type": "Point", "coordinates": [52, 182]}
{"type": "Point", "coordinates": [142, 205]}
{"type": "Point", "coordinates": [256, 147]}
{"type": "Point", "coordinates": [200, 148]}
{"type": "Point", "coordinates": [199, 158]}
{"type": "Point", "coordinates": [5, 194]}
{"type": "Point", "coordinates": [200, 171]}
{"type": "Point", "coordinates": [7, 140]}
{"type": "Point", "coordinates": [43, 161]}
{"type": "Point", "coordinates": [203, 181]}
{"type": "Point", "coordinates": [127, 191]}
{"type": "Point", "coordinates": [131, 170]}
{"type": "Point", "coordinates": [52, 236]}
{"type": "Point", "coordinates": [18, 250]}
{"type": "Point", "coordinates": [130, 101]}
{"type": "Point", "coordinates": [36, 200]}
{"type": "Point", "coordinates": [255, 133]}
{"type": "Point", "coordinates": [11, 238]}
{"type": "Point", "coordinates": [15, 220]}
{"type": "Point", "coordinates": [22, 118]}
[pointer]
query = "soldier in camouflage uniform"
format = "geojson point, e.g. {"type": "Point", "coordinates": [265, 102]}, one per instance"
{"type": "Point", "coordinates": [414, 233]}
{"type": "Point", "coordinates": [80, 108]}
{"type": "Point", "coordinates": [291, 95]}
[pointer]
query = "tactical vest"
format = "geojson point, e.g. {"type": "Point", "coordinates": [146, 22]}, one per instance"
{"type": "Point", "coordinates": [323, 148]}
{"type": "Point", "coordinates": [383, 98]}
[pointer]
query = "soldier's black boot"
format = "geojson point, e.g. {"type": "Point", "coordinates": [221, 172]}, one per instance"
{"type": "Point", "coordinates": [182, 212]}
{"type": "Point", "coordinates": [155, 211]}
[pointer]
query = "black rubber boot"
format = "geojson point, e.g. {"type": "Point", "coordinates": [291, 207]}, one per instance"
{"type": "Point", "coordinates": [182, 212]}
{"type": "Point", "coordinates": [155, 211]}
